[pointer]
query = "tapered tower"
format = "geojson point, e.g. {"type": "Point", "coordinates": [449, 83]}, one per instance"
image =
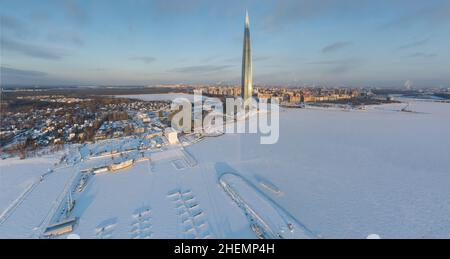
{"type": "Point", "coordinates": [247, 87]}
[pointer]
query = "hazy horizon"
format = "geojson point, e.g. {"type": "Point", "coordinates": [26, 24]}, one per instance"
{"type": "Point", "coordinates": [162, 85]}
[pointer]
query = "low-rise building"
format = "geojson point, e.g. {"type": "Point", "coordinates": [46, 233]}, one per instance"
{"type": "Point", "coordinates": [121, 165]}
{"type": "Point", "coordinates": [60, 228]}
{"type": "Point", "coordinates": [171, 135]}
{"type": "Point", "coordinates": [99, 170]}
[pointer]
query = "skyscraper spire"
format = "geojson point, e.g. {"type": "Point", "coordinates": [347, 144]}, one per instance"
{"type": "Point", "coordinates": [247, 87]}
{"type": "Point", "coordinates": [247, 21]}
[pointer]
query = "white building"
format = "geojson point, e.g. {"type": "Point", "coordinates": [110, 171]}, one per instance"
{"type": "Point", "coordinates": [171, 135]}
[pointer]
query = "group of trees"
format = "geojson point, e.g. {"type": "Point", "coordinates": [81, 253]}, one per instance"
{"type": "Point", "coordinates": [117, 116]}
{"type": "Point", "coordinates": [93, 109]}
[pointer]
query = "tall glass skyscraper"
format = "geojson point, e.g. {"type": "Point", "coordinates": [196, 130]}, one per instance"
{"type": "Point", "coordinates": [247, 87]}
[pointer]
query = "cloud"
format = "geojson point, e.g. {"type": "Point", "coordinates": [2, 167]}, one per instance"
{"type": "Point", "coordinates": [260, 58]}
{"type": "Point", "coordinates": [336, 46]}
{"type": "Point", "coordinates": [215, 9]}
{"type": "Point", "coordinates": [15, 72]}
{"type": "Point", "coordinates": [76, 12]}
{"type": "Point", "coordinates": [341, 69]}
{"type": "Point", "coordinates": [210, 58]}
{"type": "Point", "coordinates": [338, 66]}
{"type": "Point", "coordinates": [407, 12]}
{"type": "Point", "coordinates": [11, 76]}
{"type": "Point", "coordinates": [201, 69]}
{"type": "Point", "coordinates": [39, 16]}
{"type": "Point", "coordinates": [31, 50]}
{"type": "Point", "coordinates": [145, 59]}
{"type": "Point", "coordinates": [408, 84]}
{"type": "Point", "coordinates": [239, 59]}
{"type": "Point", "coordinates": [178, 6]}
{"type": "Point", "coordinates": [98, 69]}
{"type": "Point", "coordinates": [333, 61]}
{"type": "Point", "coordinates": [422, 55]}
{"type": "Point", "coordinates": [11, 23]}
{"type": "Point", "coordinates": [233, 60]}
{"type": "Point", "coordinates": [65, 37]}
{"type": "Point", "coordinates": [435, 13]}
{"type": "Point", "coordinates": [14, 26]}
{"type": "Point", "coordinates": [414, 44]}
{"type": "Point", "coordinates": [287, 12]}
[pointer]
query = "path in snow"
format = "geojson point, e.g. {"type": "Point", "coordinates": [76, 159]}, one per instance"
{"type": "Point", "coordinates": [192, 218]}
{"type": "Point", "coordinates": [267, 219]}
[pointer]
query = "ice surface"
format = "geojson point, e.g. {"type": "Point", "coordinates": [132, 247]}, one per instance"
{"type": "Point", "coordinates": [17, 175]}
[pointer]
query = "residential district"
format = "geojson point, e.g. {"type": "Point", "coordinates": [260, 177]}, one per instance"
{"type": "Point", "coordinates": [33, 122]}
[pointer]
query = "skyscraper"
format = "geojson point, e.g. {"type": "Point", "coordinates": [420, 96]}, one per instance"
{"type": "Point", "coordinates": [247, 87]}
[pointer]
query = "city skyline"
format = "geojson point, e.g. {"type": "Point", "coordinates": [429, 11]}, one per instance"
{"type": "Point", "coordinates": [331, 43]}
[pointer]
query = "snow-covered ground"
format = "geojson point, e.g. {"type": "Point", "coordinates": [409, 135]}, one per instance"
{"type": "Point", "coordinates": [338, 173]}
{"type": "Point", "coordinates": [16, 176]}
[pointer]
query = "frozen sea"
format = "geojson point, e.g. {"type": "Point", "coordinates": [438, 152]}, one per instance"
{"type": "Point", "coordinates": [340, 173]}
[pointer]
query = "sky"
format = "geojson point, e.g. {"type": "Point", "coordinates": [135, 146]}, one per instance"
{"type": "Point", "coordinates": [382, 43]}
